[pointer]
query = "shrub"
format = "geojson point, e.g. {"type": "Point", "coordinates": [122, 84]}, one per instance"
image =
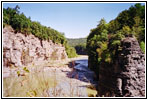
{"type": "Point", "coordinates": [142, 46]}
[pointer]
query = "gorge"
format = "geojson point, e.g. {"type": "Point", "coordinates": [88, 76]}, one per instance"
{"type": "Point", "coordinates": [39, 61]}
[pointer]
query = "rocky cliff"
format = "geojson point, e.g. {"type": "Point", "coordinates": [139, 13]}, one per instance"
{"type": "Point", "coordinates": [126, 77]}
{"type": "Point", "coordinates": [20, 50]}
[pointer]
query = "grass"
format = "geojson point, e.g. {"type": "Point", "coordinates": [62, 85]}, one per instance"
{"type": "Point", "coordinates": [36, 81]}
{"type": "Point", "coordinates": [31, 81]}
{"type": "Point", "coordinates": [31, 85]}
{"type": "Point", "coordinates": [91, 91]}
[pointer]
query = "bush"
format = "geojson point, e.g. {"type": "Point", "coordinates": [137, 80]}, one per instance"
{"type": "Point", "coordinates": [81, 49]}
{"type": "Point", "coordinates": [142, 46]}
{"type": "Point", "coordinates": [71, 52]}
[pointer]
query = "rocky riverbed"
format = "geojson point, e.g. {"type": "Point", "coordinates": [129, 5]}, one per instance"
{"type": "Point", "coordinates": [71, 81]}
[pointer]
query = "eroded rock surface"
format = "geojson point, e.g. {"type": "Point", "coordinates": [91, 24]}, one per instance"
{"type": "Point", "coordinates": [126, 77]}
{"type": "Point", "coordinates": [20, 50]}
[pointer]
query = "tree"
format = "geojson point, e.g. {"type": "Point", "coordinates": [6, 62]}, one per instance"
{"type": "Point", "coordinates": [142, 45]}
{"type": "Point", "coordinates": [20, 23]}
{"type": "Point", "coordinates": [103, 42]}
{"type": "Point", "coordinates": [17, 8]}
{"type": "Point", "coordinates": [126, 30]}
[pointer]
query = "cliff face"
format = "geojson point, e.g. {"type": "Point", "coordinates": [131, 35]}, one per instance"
{"type": "Point", "coordinates": [20, 50]}
{"type": "Point", "coordinates": [126, 77]}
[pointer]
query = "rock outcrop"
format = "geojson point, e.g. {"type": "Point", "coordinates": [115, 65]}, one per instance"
{"type": "Point", "coordinates": [126, 77]}
{"type": "Point", "coordinates": [20, 50]}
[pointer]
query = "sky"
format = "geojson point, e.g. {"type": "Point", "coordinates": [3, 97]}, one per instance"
{"type": "Point", "coordinates": [75, 20]}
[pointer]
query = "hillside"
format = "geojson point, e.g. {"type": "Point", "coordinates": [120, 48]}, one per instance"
{"type": "Point", "coordinates": [116, 53]}
{"type": "Point", "coordinates": [104, 41]}
{"type": "Point", "coordinates": [76, 41]}
{"type": "Point", "coordinates": [79, 44]}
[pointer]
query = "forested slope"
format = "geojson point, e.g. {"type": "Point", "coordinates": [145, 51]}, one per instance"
{"type": "Point", "coordinates": [104, 41]}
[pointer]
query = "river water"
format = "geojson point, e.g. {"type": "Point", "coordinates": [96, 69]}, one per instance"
{"type": "Point", "coordinates": [83, 72]}
{"type": "Point", "coordinates": [71, 81]}
{"type": "Point", "coordinates": [77, 80]}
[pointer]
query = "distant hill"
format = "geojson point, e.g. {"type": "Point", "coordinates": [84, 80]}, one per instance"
{"type": "Point", "coordinates": [79, 44]}
{"type": "Point", "coordinates": [76, 41]}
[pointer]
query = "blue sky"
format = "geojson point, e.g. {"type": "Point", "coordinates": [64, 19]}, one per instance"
{"type": "Point", "coordinates": [74, 19]}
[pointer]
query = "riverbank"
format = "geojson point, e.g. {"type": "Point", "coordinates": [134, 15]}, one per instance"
{"type": "Point", "coordinates": [53, 79]}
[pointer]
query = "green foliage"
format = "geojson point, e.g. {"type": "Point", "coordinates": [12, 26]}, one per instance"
{"type": "Point", "coordinates": [18, 73]}
{"type": "Point", "coordinates": [71, 52]}
{"type": "Point", "coordinates": [32, 93]}
{"type": "Point", "coordinates": [113, 26]}
{"type": "Point", "coordinates": [79, 44]}
{"type": "Point", "coordinates": [74, 42]}
{"type": "Point", "coordinates": [126, 30]}
{"type": "Point", "coordinates": [24, 25]}
{"type": "Point", "coordinates": [31, 85]}
{"type": "Point", "coordinates": [26, 70]}
{"type": "Point", "coordinates": [142, 46]}
{"type": "Point", "coordinates": [97, 44]}
{"type": "Point", "coordinates": [103, 42]}
{"type": "Point", "coordinates": [12, 16]}
{"type": "Point", "coordinates": [115, 43]}
{"type": "Point", "coordinates": [81, 49]}
{"type": "Point", "coordinates": [107, 57]}
{"type": "Point", "coordinates": [138, 29]}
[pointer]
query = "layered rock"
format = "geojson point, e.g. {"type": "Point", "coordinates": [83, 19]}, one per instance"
{"type": "Point", "coordinates": [20, 50]}
{"type": "Point", "coordinates": [126, 77]}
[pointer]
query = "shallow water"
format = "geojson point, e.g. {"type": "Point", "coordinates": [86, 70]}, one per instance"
{"type": "Point", "coordinates": [77, 80]}
{"type": "Point", "coordinates": [84, 73]}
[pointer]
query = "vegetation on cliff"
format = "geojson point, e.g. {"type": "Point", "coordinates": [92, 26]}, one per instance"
{"type": "Point", "coordinates": [104, 41]}
{"type": "Point", "coordinates": [19, 22]}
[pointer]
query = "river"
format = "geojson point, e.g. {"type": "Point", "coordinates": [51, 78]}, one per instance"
{"type": "Point", "coordinates": [78, 80]}
{"type": "Point", "coordinates": [69, 81]}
